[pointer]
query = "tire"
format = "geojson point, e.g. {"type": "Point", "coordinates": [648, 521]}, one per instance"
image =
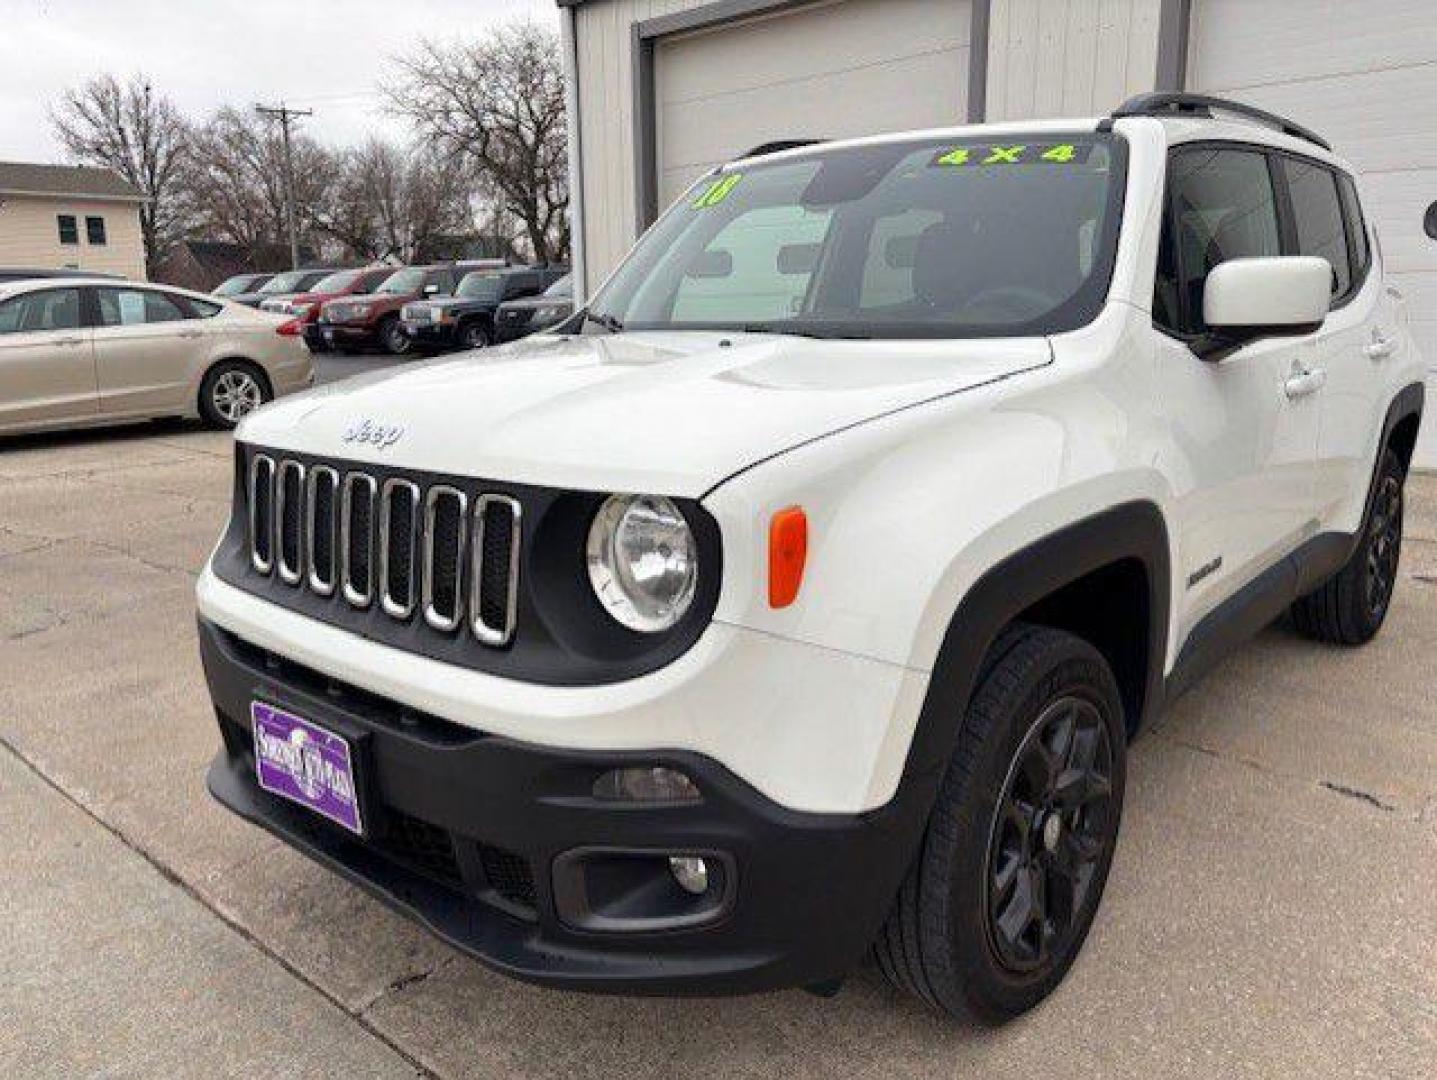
{"type": "Point", "coordinates": [393, 339]}
{"type": "Point", "coordinates": [940, 941]}
{"type": "Point", "coordinates": [475, 335]}
{"type": "Point", "coordinates": [1351, 606]}
{"type": "Point", "coordinates": [230, 391]}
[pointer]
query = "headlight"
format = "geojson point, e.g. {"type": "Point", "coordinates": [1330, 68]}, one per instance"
{"type": "Point", "coordinates": [643, 562]}
{"type": "Point", "coordinates": [547, 314]}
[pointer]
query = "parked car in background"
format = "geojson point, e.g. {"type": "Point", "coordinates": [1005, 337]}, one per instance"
{"type": "Point", "coordinates": [373, 320]}
{"type": "Point", "coordinates": [466, 319]}
{"type": "Point", "coordinates": [240, 285]}
{"type": "Point", "coordinates": [94, 351]}
{"type": "Point", "coordinates": [285, 284]}
{"type": "Point", "coordinates": [520, 318]}
{"type": "Point", "coordinates": [305, 306]}
{"type": "Point", "coordinates": [29, 273]}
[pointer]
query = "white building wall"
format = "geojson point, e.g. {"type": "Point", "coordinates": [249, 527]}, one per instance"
{"type": "Point", "coordinates": [1053, 58]}
{"type": "Point", "coordinates": [30, 235]}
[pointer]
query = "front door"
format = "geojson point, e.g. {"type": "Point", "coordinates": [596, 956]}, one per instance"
{"type": "Point", "coordinates": [47, 363]}
{"type": "Point", "coordinates": [1243, 427]}
{"type": "Point", "coordinates": [145, 350]}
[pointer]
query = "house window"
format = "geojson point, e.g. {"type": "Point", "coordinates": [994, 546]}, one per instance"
{"type": "Point", "coordinates": [69, 231]}
{"type": "Point", "coordinates": [95, 231]}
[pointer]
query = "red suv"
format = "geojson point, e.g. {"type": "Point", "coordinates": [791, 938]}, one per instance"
{"type": "Point", "coordinates": [373, 318]}
{"type": "Point", "coordinates": [305, 306]}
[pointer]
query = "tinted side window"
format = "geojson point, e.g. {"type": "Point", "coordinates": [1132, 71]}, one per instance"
{"type": "Point", "coordinates": [1318, 217]}
{"type": "Point", "coordinates": [1356, 226]}
{"type": "Point", "coordinates": [1221, 206]}
{"type": "Point", "coordinates": [49, 309]}
{"type": "Point", "coordinates": [133, 307]}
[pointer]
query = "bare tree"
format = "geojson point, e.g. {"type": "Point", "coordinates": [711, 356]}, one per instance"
{"type": "Point", "coordinates": [498, 104]}
{"type": "Point", "coordinates": [389, 201]}
{"type": "Point", "coordinates": [234, 181]}
{"type": "Point", "coordinates": [140, 135]}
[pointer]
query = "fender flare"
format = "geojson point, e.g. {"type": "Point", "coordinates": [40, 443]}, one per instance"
{"type": "Point", "coordinates": [1133, 530]}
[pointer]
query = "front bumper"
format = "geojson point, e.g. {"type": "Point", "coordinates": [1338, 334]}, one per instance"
{"type": "Point", "coordinates": [339, 335]}
{"type": "Point", "coordinates": [475, 836]}
{"type": "Point", "coordinates": [432, 335]}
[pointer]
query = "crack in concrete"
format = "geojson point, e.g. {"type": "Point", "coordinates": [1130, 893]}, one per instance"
{"type": "Point", "coordinates": [1358, 794]}
{"type": "Point", "coordinates": [1266, 770]}
{"type": "Point", "coordinates": [189, 890]}
{"type": "Point", "coordinates": [404, 982]}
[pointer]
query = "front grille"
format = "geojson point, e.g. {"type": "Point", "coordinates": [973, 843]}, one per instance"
{"type": "Point", "coordinates": [418, 313]}
{"type": "Point", "coordinates": [329, 529]}
{"type": "Point", "coordinates": [508, 875]}
{"type": "Point", "coordinates": [419, 845]}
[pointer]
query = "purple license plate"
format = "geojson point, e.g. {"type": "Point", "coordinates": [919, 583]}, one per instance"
{"type": "Point", "coordinates": [305, 764]}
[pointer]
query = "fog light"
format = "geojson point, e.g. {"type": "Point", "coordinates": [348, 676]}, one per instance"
{"type": "Point", "coordinates": [691, 873]}
{"type": "Point", "coordinates": [647, 784]}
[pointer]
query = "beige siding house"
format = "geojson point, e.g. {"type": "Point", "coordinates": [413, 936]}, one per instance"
{"type": "Point", "coordinates": [70, 216]}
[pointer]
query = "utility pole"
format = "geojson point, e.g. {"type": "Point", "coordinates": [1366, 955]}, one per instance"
{"type": "Point", "coordinates": [285, 115]}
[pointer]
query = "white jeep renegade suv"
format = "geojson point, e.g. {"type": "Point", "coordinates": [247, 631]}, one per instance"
{"type": "Point", "coordinates": [799, 597]}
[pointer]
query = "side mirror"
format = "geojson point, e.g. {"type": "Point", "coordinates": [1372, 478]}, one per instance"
{"type": "Point", "coordinates": [1429, 221]}
{"type": "Point", "coordinates": [1251, 298]}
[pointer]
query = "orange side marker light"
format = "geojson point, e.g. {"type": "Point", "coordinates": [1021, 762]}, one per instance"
{"type": "Point", "coordinates": [787, 552]}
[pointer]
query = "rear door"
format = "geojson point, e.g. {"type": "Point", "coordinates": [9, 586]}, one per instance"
{"type": "Point", "coordinates": [146, 345]}
{"type": "Point", "coordinates": [1244, 447]}
{"type": "Point", "coordinates": [47, 361]}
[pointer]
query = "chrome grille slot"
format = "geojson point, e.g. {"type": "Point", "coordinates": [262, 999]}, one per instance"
{"type": "Point", "coordinates": [261, 513]}
{"type": "Point", "coordinates": [398, 537]}
{"type": "Point", "coordinates": [494, 581]}
{"type": "Point", "coordinates": [321, 553]}
{"type": "Point", "coordinates": [356, 538]}
{"type": "Point", "coordinates": [289, 516]}
{"type": "Point", "coordinates": [445, 523]}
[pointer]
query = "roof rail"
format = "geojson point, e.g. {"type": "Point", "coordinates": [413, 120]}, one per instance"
{"type": "Point", "coordinates": [778, 146]}
{"type": "Point", "coordinates": [1204, 106]}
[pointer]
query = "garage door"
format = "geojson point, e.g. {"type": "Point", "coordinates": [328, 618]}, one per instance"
{"type": "Point", "coordinates": [828, 71]}
{"type": "Point", "coordinates": [1362, 75]}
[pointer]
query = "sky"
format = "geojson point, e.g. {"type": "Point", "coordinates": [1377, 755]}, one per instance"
{"type": "Point", "coordinates": [325, 55]}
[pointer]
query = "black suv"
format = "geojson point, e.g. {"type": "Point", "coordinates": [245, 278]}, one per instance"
{"type": "Point", "coordinates": [466, 319]}
{"type": "Point", "coordinates": [520, 318]}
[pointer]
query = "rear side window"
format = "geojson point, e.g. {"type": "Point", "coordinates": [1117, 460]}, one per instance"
{"type": "Point", "coordinates": [1356, 226]}
{"type": "Point", "coordinates": [1222, 205]}
{"type": "Point", "coordinates": [134, 307]}
{"type": "Point", "coordinates": [1317, 217]}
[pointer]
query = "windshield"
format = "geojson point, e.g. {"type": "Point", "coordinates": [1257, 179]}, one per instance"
{"type": "Point", "coordinates": [282, 283]}
{"type": "Point", "coordinates": [336, 282]}
{"type": "Point", "coordinates": [403, 281]}
{"type": "Point", "coordinates": [563, 289]}
{"type": "Point", "coordinates": [234, 286]}
{"type": "Point", "coordinates": [481, 286]}
{"type": "Point", "coordinates": [954, 238]}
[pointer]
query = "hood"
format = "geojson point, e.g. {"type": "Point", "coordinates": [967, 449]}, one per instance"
{"type": "Point", "coordinates": [671, 413]}
{"type": "Point", "coordinates": [444, 302]}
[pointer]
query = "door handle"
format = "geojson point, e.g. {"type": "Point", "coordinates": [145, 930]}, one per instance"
{"type": "Point", "coordinates": [1303, 383]}
{"type": "Point", "coordinates": [1380, 349]}
{"type": "Point", "coordinates": [70, 341]}
{"type": "Point", "coordinates": [190, 333]}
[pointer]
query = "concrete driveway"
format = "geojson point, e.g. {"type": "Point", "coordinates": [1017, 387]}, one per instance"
{"type": "Point", "coordinates": [1272, 910]}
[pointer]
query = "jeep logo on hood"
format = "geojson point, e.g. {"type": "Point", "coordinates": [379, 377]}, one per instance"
{"type": "Point", "coordinates": [380, 436]}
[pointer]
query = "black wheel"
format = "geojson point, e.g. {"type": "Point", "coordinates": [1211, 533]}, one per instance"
{"type": "Point", "coordinates": [1350, 607]}
{"type": "Point", "coordinates": [475, 335]}
{"type": "Point", "coordinates": [230, 391]}
{"type": "Point", "coordinates": [393, 338]}
{"type": "Point", "coordinates": [1003, 891]}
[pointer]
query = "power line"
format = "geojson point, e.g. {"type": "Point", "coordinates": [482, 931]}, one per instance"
{"type": "Point", "coordinates": [286, 116]}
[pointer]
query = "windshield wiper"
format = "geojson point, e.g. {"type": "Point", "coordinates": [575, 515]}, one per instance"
{"type": "Point", "coordinates": [611, 323]}
{"type": "Point", "coordinates": [793, 330]}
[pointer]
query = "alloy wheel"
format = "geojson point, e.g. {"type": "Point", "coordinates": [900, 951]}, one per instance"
{"type": "Point", "coordinates": [1054, 822]}
{"type": "Point", "coordinates": [236, 394]}
{"type": "Point", "coordinates": [1384, 545]}
{"type": "Point", "coordinates": [395, 339]}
